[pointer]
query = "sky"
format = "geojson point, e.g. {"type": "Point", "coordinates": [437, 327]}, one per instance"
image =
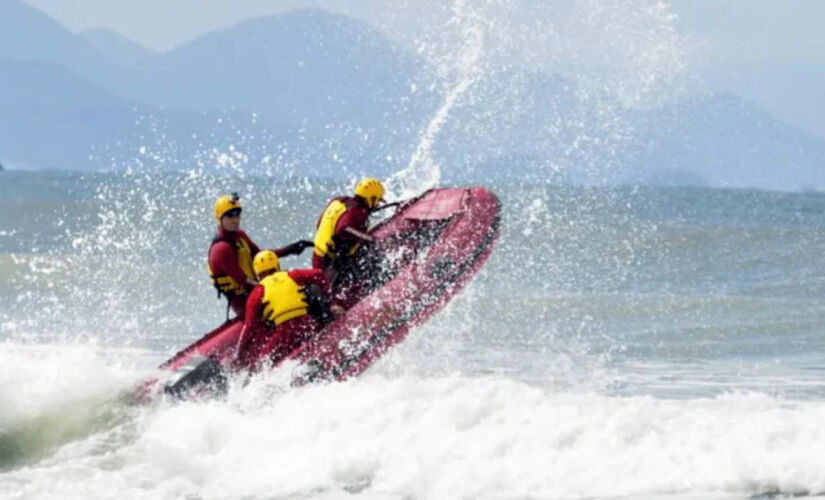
{"type": "Point", "coordinates": [163, 24]}
{"type": "Point", "coordinates": [771, 52]}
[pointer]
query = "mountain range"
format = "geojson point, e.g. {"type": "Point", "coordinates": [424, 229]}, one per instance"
{"type": "Point", "coordinates": [318, 93]}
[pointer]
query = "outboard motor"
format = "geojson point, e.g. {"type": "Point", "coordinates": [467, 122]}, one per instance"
{"type": "Point", "coordinates": [200, 376]}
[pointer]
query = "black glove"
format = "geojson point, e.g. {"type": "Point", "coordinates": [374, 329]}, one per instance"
{"type": "Point", "coordinates": [297, 247]}
{"type": "Point", "coordinates": [305, 244]}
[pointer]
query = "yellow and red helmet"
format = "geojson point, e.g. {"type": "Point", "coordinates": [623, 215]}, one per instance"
{"type": "Point", "coordinates": [226, 203]}
{"type": "Point", "coordinates": [371, 190]}
{"type": "Point", "coordinates": [266, 261]}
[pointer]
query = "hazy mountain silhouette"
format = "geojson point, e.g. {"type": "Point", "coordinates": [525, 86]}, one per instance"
{"type": "Point", "coordinates": [306, 67]}
{"type": "Point", "coordinates": [322, 93]}
{"type": "Point", "coordinates": [117, 48]}
{"type": "Point", "coordinates": [246, 68]}
{"type": "Point", "coordinates": [732, 143]}
{"type": "Point", "coordinates": [51, 116]}
{"type": "Point", "coordinates": [547, 133]}
{"type": "Point", "coordinates": [27, 34]}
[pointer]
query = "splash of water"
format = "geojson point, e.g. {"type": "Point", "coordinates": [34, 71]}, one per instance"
{"type": "Point", "coordinates": [560, 87]}
{"type": "Point", "coordinates": [423, 172]}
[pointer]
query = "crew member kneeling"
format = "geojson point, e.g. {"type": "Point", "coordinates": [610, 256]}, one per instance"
{"type": "Point", "coordinates": [342, 230]}
{"type": "Point", "coordinates": [283, 311]}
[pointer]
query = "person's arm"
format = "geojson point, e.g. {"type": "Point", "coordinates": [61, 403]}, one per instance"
{"type": "Point", "coordinates": [293, 248]}
{"type": "Point", "coordinates": [317, 279]}
{"type": "Point", "coordinates": [222, 260]}
{"type": "Point", "coordinates": [355, 218]}
{"type": "Point", "coordinates": [358, 234]}
{"type": "Point", "coordinates": [351, 228]}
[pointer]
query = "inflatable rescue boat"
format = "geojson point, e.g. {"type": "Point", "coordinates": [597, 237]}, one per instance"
{"type": "Point", "coordinates": [422, 256]}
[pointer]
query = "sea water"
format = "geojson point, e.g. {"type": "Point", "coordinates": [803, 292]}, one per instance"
{"type": "Point", "coordinates": [620, 342]}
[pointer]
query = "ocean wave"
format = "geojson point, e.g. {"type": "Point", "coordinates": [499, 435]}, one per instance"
{"type": "Point", "coordinates": [445, 437]}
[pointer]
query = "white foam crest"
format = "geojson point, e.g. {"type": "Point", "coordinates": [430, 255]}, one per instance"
{"type": "Point", "coordinates": [42, 378]}
{"type": "Point", "coordinates": [452, 437]}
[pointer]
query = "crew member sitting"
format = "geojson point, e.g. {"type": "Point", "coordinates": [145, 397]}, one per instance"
{"type": "Point", "coordinates": [231, 254]}
{"type": "Point", "coordinates": [284, 310]}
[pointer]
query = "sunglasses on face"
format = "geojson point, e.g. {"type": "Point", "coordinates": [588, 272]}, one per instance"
{"type": "Point", "coordinates": [233, 213]}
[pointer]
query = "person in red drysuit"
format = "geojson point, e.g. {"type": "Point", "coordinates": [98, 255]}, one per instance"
{"type": "Point", "coordinates": [342, 230]}
{"type": "Point", "coordinates": [284, 310]}
{"type": "Point", "coordinates": [231, 254]}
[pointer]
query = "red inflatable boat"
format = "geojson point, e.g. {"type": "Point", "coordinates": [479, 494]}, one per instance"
{"type": "Point", "coordinates": [424, 254]}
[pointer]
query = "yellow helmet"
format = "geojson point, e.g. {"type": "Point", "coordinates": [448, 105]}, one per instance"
{"type": "Point", "coordinates": [226, 203]}
{"type": "Point", "coordinates": [265, 261]}
{"type": "Point", "coordinates": [371, 190]}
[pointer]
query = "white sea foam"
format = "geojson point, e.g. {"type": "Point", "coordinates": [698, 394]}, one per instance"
{"type": "Point", "coordinates": [35, 379]}
{"type": "Point", "coordinates": [449, 437]}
